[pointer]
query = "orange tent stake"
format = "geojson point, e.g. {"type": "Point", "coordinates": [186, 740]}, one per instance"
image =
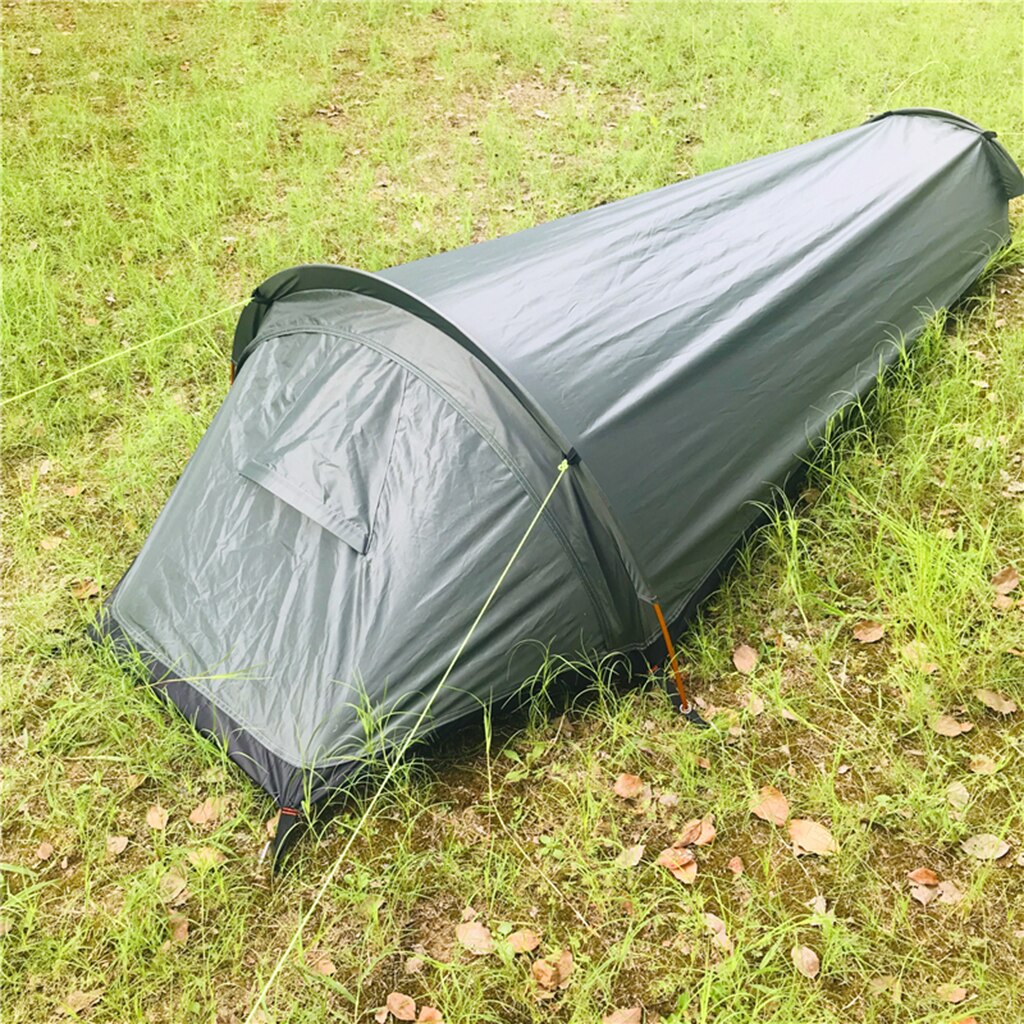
{"type": "Point", "coordinates": [680, 684]}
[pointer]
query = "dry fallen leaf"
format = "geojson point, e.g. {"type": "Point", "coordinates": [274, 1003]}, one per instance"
{"type": "Point", "coordinates": [401, 1006]}
{"type": "Point", "coordinates": [629, 856]}
{"type": "Point", "coordinates": [949, 893]}
{"type": "Point", "coordinates": [552, 973]}
{"type": "Point", "coordinates": [681, 863]}
{"type": "Point", "coordinates": [947, 725]}
{"type": "Point", "coordinates": [810, 837]}
{"type": "Point", "coordinates": [950, 993]}
{"type": "Point", "coordinates": [525, 940]}
{"type": "Point", "coordinates": [51, 543]}
{"type": "Point", "coordinates": [886, 983]}
{"type": "Point", "coordinates": [430, 1015]}
{"type": "Point", "coordinates": [156, 817]}
{"type": "Point", "coordinates": [923, 876]}
{"type": "Point", "coordinates": [958, 796]}
{"type": "Point", "coordinates": [771, 806]}
{"type": "Point", "coordinates": [719, 936]}
{"type": "Point", "coordinates": [205, 857]}
{"type": "Point", "coordinates": [44, 851]}
{"type": "Point", "coordinates": [172, 884]}
{"type": "Point", "coordinates": [924, 894]}
{"type": "Point", "coordinates": [85, 589]}
{"type": "Point", "coordinates": [698, 832]}
{"type": "Point", "coordinates": [806, 961]}
{"type": "Point", "coordinates": [320, 963]}
{"type": "Point", "coordinates": [745, 658]}
{"type": "Point", "coordinates": [868, 632]}
{"type": "Point", "coordinates": [917, 654]}
{"type": "Point", "coordinates": [753, 704]}
{"type": "Point", "coordinates": [628, 1015]}
{"type": "Point", "coordinates": [116, 845]}
{"type": "Point", "coordinates": [985, 846]}
{"type": "Point", "coordinates": [982, 764]}
{"type": "Point", "coordinates": [475, 937]}
{"type": "Point", "coordinates": [207, 812]}
{"type": "Point", "coordinates": [1005, 580]}
{"type": "Point", "coordinates": [628, 787]}
{"type": "Point", "coordinates": [78, 1001]}
{"type": "Point", "coordinates": [177, 925]}
{"type": "Point", "coordinates": [996, 701]}
{"type": "Point", "coordinates": [736, 865]}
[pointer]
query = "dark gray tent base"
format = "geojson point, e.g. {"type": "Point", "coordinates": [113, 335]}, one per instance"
{"type": "Point", "coordinates": [388, 437]}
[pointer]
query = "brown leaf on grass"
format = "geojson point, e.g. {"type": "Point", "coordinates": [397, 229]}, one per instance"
{"type": "Point", "coordinates": [810, 837]}
{"type": "Point", "coordinates": [172, 884]}
{"type": "Point", "coordinates": [745, 658]}
{"type": "Point", "coordinates": [806, 961]}
{"type": "Point", "coordinates": [985, 846]}
{"type": "Point", "coordinates": [1003, 602]}
{"type": "Point", "coordinates": [116, 845]}
{"type": "Point", "coordinates": [957, 796]}
{"type": "Point", "coordinates": [320, 963]}
{"type": "Point", "coordinates": [51, 543]}
{"type": "Point", "coordinates": [996, 701]}
{"type": "Point", "coordinates": [430, 1015]}
{"type": "Point", "coordinates": [476, 937]}
{"type": "Point", "coordinates": [753, 704]}
{"type": "Point", "coordinates": [156, 817]}
{"type": "Point", "coordinates": [205, 858]}
{"type": "Point", "coordinates": [84, 589]}
{"type": "Point", "coordinates": [950, 993]}
{"type": "Point", "coordinates": [627, 1015]}
{"type": "Point", "coordinates": [381, 1015]}
{"type": "Point", "coordinates": [917, 654]}
{"type": "Point", "coordinates": [886, 983]}
{"type": "Point", "coordinates": [551, 972]}
{"type": "Point", "coordinates": [736, 865]}
{"type": "Point", "coordinates": [680, 862]}
{"type": "Point", "coordinates": [44, 851]}
{"type": "Point", "coordinates": [698, 832]}
{"type": "Point", "coordinates": [924, 894]}
{"type": "Point", "coordinates": [177, 925]}
{"type": "Point", "coordinates": [79, 1001]}
{"type": "Point", "coordinates": [1005, 580]}
{"type": "Point", "coordinates": [719, 935]}
{"type": "Point", "coordinates": [401, 1006]}
{"type": "Point", "coordinates": [525, 940]}
{"type": "Point", "coordinates": [207, 812]}
{"type": "Point", "coordinates": [628, 787]}
{"type": "Point", "coordinates": [982, 764]}
{"type": "Point", "coordinates": [868, 632]}
{"type": "Point", "coordinates": [629, 856]}
{"type": "Point", "coordinates": [947, 725]}
{"type": "Point", "coordinates": [949, 893]}
{"type": "Point", "coordinates": [771, 806]}
{"type": "Point", "coordinates": [923, 876]}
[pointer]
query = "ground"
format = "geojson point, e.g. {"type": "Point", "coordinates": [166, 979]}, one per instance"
{"type": "Point", "coordinates": [161, 160]}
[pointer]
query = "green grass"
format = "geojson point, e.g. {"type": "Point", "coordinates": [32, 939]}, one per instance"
{"type": "Point", "coordinates": [161, 160]}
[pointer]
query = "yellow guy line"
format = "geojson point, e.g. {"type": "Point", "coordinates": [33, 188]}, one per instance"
{"type": "Point", "coordinates": [336, 866]}
{"type": "Point", "coordinates": [123, 352]}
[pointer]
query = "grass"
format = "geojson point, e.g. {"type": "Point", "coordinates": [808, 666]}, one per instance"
{"type": "Point", "coordinates": [161, 160]}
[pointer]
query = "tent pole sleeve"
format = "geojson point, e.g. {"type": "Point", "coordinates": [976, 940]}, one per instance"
{"type": "Point", "coordinates": [677, 674]}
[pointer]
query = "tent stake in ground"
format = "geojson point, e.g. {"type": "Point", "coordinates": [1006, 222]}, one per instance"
{"type": "Point", "coordinates": [389, 436]}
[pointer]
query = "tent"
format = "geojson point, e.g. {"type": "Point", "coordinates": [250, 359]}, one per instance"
{"type": "Point", "coordinates": [389, 436]}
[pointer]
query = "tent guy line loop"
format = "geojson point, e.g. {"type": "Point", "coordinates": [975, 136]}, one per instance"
{"type": "Point", "coordinates": [123, 352]}
{"type": "Point", "coordinates": [258, 1004]}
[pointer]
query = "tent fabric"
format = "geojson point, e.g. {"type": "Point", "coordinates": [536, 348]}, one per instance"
{"type": "Point", "coordinates": [389, 436]}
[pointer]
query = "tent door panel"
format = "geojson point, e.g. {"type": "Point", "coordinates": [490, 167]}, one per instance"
{"type": "Point", "coordinates": [329, 454]}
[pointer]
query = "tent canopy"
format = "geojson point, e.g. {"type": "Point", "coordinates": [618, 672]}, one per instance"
{"type": "Point", "coordinates": [389, 436]}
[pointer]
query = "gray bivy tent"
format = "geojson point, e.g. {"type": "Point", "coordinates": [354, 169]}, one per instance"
{"type": "Point", "coordinates": [389, 437]}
